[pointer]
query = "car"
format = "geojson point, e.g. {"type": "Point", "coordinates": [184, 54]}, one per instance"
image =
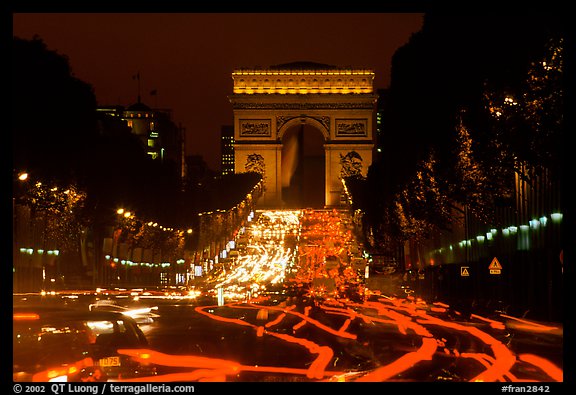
{"type": "Point", "coordinates": [53, 344]}
{"type": "Point", "coordinates": [142, 315]}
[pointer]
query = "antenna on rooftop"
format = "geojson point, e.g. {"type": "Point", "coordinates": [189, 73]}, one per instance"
{"type": "Point", "coordinates": [137, 77]}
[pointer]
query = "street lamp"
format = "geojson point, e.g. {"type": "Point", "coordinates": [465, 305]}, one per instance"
{"type": "Point", "coordinates": [16, 266]}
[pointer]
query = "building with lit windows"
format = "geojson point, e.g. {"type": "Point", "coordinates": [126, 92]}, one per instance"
{"type": "Point", "coordinates": [162, 139]}
{"type": "Point", "coordinates": [227, 149]}
{"type": "Point", "coordinates": [144, 123]}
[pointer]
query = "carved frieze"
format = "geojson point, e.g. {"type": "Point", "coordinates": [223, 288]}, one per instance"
{"type": "Point", "coordinates": [351, 165]}
{"type": "Point", "coordinates": [282, 119]}
{"type": "Point", "coordinates": [255, 163]}
{"type": "Point", "coordinates": [351, 127]}
{"type": "Point", "coordinates": [325, 121]}
{"type": "Point", "coordinates": [255, 128]}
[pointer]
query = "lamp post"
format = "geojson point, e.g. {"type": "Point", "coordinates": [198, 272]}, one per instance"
{"type": "Point", "coordinates": [22, 177]}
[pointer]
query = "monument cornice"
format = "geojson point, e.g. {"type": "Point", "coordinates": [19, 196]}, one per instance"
{"type": "Point", "coordinates": [361, 105]}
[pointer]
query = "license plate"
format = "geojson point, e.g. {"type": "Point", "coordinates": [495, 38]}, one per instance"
{"type": "Point", "coordinates": [109, 361]}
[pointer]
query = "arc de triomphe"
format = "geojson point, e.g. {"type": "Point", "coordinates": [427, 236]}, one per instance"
{"type": "Point", "coordinates": [338, 102]}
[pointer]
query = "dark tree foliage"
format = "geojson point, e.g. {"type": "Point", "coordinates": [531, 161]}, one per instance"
{"type": "Point", "coordinates": [357, 190]}
{"type": "Point", "coordinates": [444, 69]}
{"type": "Point", "coordinates": [528, 120]}
{"type": "Point", "coordinates": [58, 137]}
{"type": "Point", "coordinates": [123, 175]}
{"type": "Point", "coordinates": [53, 117]}
{"type": "Point", "coordinates": [217, 193]}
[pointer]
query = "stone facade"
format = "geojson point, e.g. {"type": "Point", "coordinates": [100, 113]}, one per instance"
{"type": "Point", "coordinates": [339, 103]}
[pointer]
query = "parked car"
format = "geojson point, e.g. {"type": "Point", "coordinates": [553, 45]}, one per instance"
{"type": "Point", "coordinates": [72, 345]}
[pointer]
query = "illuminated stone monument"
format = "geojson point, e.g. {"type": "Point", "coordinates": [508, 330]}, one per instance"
{"type": "Point", "coordinates": [338, 102]}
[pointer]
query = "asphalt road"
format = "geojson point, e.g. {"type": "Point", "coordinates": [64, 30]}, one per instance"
{"type": "Point", "coordinates": [314, 317]}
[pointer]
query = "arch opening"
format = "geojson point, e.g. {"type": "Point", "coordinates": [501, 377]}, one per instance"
{"type": "Point", "coordinates": [303, 167]}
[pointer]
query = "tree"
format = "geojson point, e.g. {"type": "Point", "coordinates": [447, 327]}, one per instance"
{"type": "Point", "coordinates": [526, 122]}
{"type": "Point", "coordinates": [444, 68]}
{"type": "Point", "coordinates": [61, 210]}
{"type": "Point", "coordinates": [471, 186]}
{"type": "Point", "coordinates": [423, 206]}
{"type": "Point", "coordinates": [433, 151]}
{"type": "Point", "coordinates": [53, 113]}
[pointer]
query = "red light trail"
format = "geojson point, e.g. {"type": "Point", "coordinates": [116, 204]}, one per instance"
{"type": "Point", "coordinates": [330, 323]}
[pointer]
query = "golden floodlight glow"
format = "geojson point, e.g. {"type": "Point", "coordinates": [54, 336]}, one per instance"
{"type": "Point", "coordinates": [302, 82]}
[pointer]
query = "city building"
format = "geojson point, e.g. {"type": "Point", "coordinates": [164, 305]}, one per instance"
{"type": "Point", "coordinates": [162, 139]}
{"type": "Point", "coordinates": [227, 149]}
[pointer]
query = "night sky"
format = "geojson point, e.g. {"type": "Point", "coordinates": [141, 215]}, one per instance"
{"type": "Point", "coordinates": [188, 58]}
